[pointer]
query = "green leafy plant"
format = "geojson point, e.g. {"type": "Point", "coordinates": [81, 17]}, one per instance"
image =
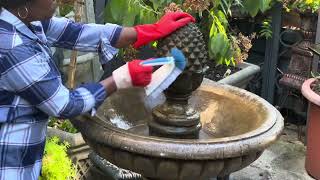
{"type": "Point", "coordinates": [266, 30]}
{"type": "Point", "coordinates": [315, 74]}
{"type": "Point", "coordinates": [131, 12]}
{"type": "Point", "coordinates": [56, 165]}
{"type": "Point", "coordinates": [65, 9]}
{"type": "Point", "coordinates": [212, 14]}
{"type": "Point", "coordinates": [219, 44]}
{"type": "Point", "coordinates": [302, 5]}
{"type": "Point", "coordinates": [253, 7]}
{"type": "Point", "coordinates": [62, 124]}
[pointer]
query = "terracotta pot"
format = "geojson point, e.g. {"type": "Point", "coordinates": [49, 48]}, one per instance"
{"type": "Point", "coordinates": [313, 126]}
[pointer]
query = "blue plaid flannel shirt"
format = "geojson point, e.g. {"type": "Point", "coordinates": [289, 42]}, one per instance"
{"type": "Point", "coordinates": [31, 89]}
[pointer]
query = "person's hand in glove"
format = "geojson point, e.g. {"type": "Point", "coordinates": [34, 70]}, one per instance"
{"type": "Point", "coordinates": [165, 26]}
{"type": "Point", "coordinates": [132, 74]}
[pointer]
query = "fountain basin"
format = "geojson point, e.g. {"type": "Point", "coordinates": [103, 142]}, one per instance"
{"type": "Point", "coordinates": [236, 127]}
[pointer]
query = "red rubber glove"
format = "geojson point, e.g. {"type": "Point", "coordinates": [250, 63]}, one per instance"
{"type": "Point", "coordinates": [132, 74]}
{"type": "Point", "coordinates": [165, 26]}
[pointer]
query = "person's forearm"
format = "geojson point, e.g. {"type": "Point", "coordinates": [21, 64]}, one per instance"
{"type": "Point", "coordinates": [109, 85]}
{"type": "Point", "coordinates": [127, 37]}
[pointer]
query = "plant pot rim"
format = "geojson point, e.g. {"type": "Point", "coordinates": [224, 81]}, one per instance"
{"type": "Point", "coordinates": [309, 93]}
{"type": "Point", "coordinates": [247, 71]}
{"type": "Point", "coordinates": [74, 139]}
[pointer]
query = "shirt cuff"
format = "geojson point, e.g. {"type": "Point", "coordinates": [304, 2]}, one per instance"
{"type": "Point", "coordinates": [98, 91]}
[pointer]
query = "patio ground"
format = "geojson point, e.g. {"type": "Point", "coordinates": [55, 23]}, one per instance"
{"type": "Point", "coordinates": [284, 160]}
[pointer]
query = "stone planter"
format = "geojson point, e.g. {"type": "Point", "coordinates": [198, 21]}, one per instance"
{"type": "Point", "coordinates": [242, 78]}
{"type": "Point", "coordinates": [313, 130]}
{"type": "Point", "coordinates": [78, 150]}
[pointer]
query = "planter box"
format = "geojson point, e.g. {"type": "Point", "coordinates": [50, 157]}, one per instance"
{"type": "Point", "coordinates": [242, 78]}
{"type": "Point", "coordinates": [78, 151]}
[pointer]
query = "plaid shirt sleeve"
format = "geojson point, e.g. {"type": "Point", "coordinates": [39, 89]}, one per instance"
{"type": "Point", "coordinates": [29, 72]}
{"type": "Point", "coordinates": [64, 33]}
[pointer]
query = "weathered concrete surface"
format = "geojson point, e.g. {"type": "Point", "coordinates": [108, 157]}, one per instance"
{"type": "Point", "coordinates": [284, 160]}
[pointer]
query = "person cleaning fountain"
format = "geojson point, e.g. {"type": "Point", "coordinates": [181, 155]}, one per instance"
{"type": "Point", "coordinates": [31, 89]}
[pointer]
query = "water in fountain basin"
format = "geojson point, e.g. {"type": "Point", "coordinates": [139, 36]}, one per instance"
{"type": "Point", "coordinates": [120, 123]}
{"type": "Point", "coordinates": [222, 114]}
{"type": "Point", "coordinates": [117, 120]}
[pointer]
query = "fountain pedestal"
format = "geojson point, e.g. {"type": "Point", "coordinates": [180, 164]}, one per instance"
{"type": "Point", "coordinates": [175, 118]}
{"type": "Point", "coordinates": [175, 121]}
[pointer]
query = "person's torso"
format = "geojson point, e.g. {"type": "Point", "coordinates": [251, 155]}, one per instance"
{"type": "Point", "coordinates": [14, 108]}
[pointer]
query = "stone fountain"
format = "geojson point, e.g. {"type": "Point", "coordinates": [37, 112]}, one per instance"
{"type": "Point", "coordinates": [196, 130]}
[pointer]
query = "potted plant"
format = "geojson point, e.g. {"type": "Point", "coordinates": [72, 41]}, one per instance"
{"type": "Point", "coordinates": [311, 90]}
